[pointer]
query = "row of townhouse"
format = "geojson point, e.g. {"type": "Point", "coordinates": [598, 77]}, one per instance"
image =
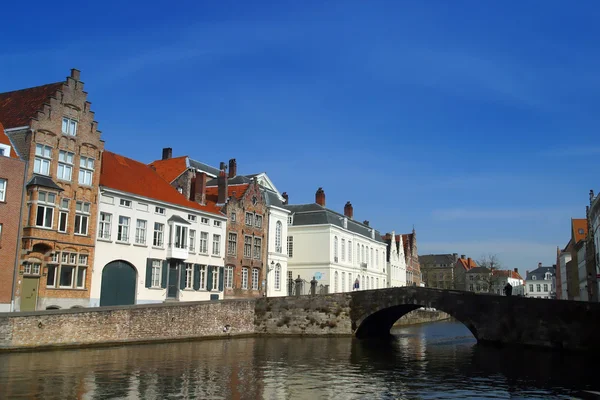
{"type": "Point", "coordinates": [81, 226]}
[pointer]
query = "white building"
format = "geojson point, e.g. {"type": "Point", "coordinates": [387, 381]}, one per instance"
{"type": "Point", "coordinates": [564, 258]}
{"type": "Point", "coordinates": [152, 244]}
{"type": "Point", "coordinates": [396, 262]}
{"type": "Point", "coordinates": [594, 224]}
{"type": "Point", "coordinates": [540, 282]}
{"type": "Point", "coordinates": [582, 271]}
{"type": "Point", "coordinates": [339, 252]}
{"type": "Point", "coordinates": [501, 277]}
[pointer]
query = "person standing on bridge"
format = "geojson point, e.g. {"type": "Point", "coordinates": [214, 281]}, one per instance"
{"type": "Point", "coordinates": [508, 289]}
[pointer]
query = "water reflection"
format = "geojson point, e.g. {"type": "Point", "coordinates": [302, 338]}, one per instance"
{"type": "Point", "coordinates": [429, 361]}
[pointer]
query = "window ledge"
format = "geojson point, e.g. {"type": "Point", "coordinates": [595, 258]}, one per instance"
{"type": "Point", "coordinates": [104, 240]}
{"type": "Point", "coordinates": [216, 255]}
{"type": "Point", "coordinates": [156, 288]}
{"type": "Point", "coordinates": [42, 227]}
{"type": "Point", "coordinates": [123, 243]}
{"type": "Point", "coordinates": [158, 247]}
{"type": "Point", "coordinates": [80, 235]}
{"type": "Point", "coordinates": [140, 245]}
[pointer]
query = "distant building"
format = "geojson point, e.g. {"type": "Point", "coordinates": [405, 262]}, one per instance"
{"type": "Point", "coordinates": [579, 233]}
{"type": "Point", "coordinates": [593, 246]}
{"type": "Point", "coordinates": [461, 267]}
{"type": "Point", "coordinates": [396, 261]}
{"type": "Point", "coordinates": [438, 270]}
{"type": "Point", "coordinates": [540, 282]}
{"type": "Point", "coordinates": [479, 280]}
{"type": "Point", "coordinates": [563, 260]}
{"type": "Point", "coordinates": [413, 268]}
{"type": "Point", "coordinates": [501, 277]}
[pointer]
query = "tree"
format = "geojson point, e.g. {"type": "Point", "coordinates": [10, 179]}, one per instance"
{"type": "Point", "coordinates": [492, 262]}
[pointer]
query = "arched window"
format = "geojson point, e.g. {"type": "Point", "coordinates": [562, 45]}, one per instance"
{"type": "Point", "coordinates": [350, 283]}
{"type": "Point", "coordinates": [358, 259]}
{"type": "Point", "coordinates": [372, 263]}
{"type": "Point", "coordinates": [343, 286]}
{"type": "Point", "coordinates": [335, 282]}
{"type": "Point", "coordinates": [377, 258]}
{"type": "Point", "coordinates": [377, 283]}
{"type": "Point", "coordinates": [367, 255]}
{"type": "Point", "coordinates": [367, 287]}
{"type": "Point", "coordinates": [278, 247]}
{"type": "Point", "coordinates": [343, 251]}
{"type": "Point", "coordinates": [362, 282]}
{"type": "Point", "coordinates": [278, 274]}
{"type": "Point", "coordinates": [362, 254]}
{"type": "Point", "coordinates": [372, 283]}
{"type": "Point", "coordinates": [335, 248]}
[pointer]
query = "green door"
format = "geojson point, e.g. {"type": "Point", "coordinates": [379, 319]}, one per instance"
{"type": "Point", "coordinates": [29, 294]}
{"type": "Point", "coordinates": [118, 284]}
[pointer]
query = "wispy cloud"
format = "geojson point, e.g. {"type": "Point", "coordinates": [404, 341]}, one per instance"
{"type": "Point", "coordinates": [466, 213]}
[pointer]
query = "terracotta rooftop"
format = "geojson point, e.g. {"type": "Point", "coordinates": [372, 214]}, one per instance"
{"type": "Point", "coordinates": [467, 264]}
{"type": "Point", "coordinates": [19, 106]}
{"type": "Point", "coordinates": [127, 175]}
{"type": "Point", "coordinates": [171, 168]}
{"type": "Point", "coordinates": [212, 192]}
{"type": "Point", "coordinates": [579, 229]}
{"type": "Point", "coordinates": [507, 273]}
{"type": "Point", "coordinates": [4, 140]}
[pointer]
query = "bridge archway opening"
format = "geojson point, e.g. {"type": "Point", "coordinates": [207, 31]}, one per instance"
{"type": "Point", "coordinates": [380, 323]}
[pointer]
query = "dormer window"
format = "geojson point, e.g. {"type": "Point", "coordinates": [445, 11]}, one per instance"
{"type": "Point", "coordinates": [290, 220]}
{"type": "Point", "coordinates": [69, 126]}
{"type": "Point", "coordinates": [533, 278]}
{"type": "Point", "coordinates": [345, 222]}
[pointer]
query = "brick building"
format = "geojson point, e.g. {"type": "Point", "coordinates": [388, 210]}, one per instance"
{"type": "Point", "coordinates": [12, 173]}
{"type": "Point", "coordinates": [438, 270]}
{"type": "Point", "coordinates": [413, 267]}
{"type": "Point", "coordinates": [52, 128]}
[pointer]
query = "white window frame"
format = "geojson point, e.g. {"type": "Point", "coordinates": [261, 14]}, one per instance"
{"type": "Point", "coordinates": [245, 278]}
{"type": "Point", "coordinates": [232, 243]}
{"type": "Point", "coordinates": [228, 278]}
{"type": "Point", "coordinates": [158, 237]}
{"type": "Point", "coordinates": [278, 277]}
{"type": "Point", "coordinates": [124, 224]}
{"type": "Point", "coordinates": [104, 226]}
{"type": "Point", "coordinates": [217, 223]}
{"type": "Point", "coordinates": [141, 231]}
{"type": "Point", "coordinates": [3, 185]}
{"type": "Point", "coordinates": [290, 246]}
{"type": "Point", "coordinates": [69, 126]}
{"type": "Point", "coordinates": [204, 220]}
{"type": "Point", "coordinates": [156, 273]}
{"type": "Point", "coordinates": [46, 206]}
{"type": "Point", "coordinates": [247, 246]}
{"type": "Point", "coordinates": [216, 248]}
{"type": "Point", "coordinates": [192, 218]}
{"type": "Point", "coordinates": [86, 170]}
{"type": "Point", "coordinates": [278, 231]}
{"type": "Point", "coordinates": [82, 213]}
{"type": "Point", "coordinates": [257, 248]}
{"type": "Point", "coordinates": [125, 203]}
{"type": "Point", "coordinates": [258, 220]}
{"type": "Point", "coordinates": [64, 170]}
{"type": "Point", "coordinates": [249, 218]}
{"type": "Point", "coordinates": [215, 279]}
{"type": "Point", "coordinates": [43, 159]}
{"type": "Point", "coordinates": [203, 277]}
{"type": "Point", "coordinates": [255, 275]}
{"type": "Point", "coordinates": [192, 240]}
{"type": "Point", "coordinates": [160, 210]}
{"type": "Point", "coordinates": [189, 276]}
{"type": "Point", "coordinates": [203, 243]}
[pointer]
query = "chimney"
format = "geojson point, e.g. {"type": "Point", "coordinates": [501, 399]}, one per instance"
{"type": "Point", "coordinates": [462, 256]}
{"type": "Point", "coordinates": [200, 188]}
{"type": "Point", "coordinates": [285, 198]}
{"type": "Point", "coordinates": [455, 256]}
{"type": "Point", "coordinates": [75, 73]}
{"type": "Point", "coordinates": [222, 165]}
{"type": "Point", "coordinates": [516, 270]}
{"type": "Point", "coordinates": [222, 185]}
{"type": "Point", "coordinates": [232, 168]}
{"type": "Point", "coordinates": [167, 153]}
{"type": "Point", "coordinates": [320, 197]}
{"type": "Point", "coordinates": [348, 210]}
{"type": "Point", "coordinates": [366, 222]}
{"type": "Point", "coordinates": [539, 265]}
{"type": "Point", "coordinates": [469, 262]}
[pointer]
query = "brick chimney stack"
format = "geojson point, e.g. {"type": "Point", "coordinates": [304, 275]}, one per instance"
{"type": "Point", "coordinates": [222, 185]}
{"type": "Point", "coordinates": [455, 256]}
{"type": "Point", "coordinates": [366, 222]}
{"type": "Point", "coordinates": [167, 153]}
{"type": "Point", "coordinates": [320, 197]}
{"type": "Point", "coordinates": [462, 256]}
{"type": "Point", "coordinates": [539, 265]}
{"type": "Point", "coordinates": [75, 73]}
{"type": "Point", "coordinates": [285, 198]}
{"type": "Point", "coordinates": [469, 261]}
{"type": "Point", "coordinates": [348, 210]}
{"type": "Point", "coordinates": [232, 168]}
{"type": "Point", "coordinates": [517, 270]}
{"type": "Point", "coordinates": [200, 188]}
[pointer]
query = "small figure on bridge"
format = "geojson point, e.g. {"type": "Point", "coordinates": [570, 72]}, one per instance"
{"type": "Point", "coordinates": [508, 289]}
{"type": "Point", "coordinates": [313, 286]}
{"type": "Point", "coordinates": [356, 284]}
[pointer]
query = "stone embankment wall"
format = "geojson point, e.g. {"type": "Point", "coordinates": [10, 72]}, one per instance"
{"type": "Point", "coordinates": [422, 316]}
{"type": "Point", "coordinates": [112, 325]}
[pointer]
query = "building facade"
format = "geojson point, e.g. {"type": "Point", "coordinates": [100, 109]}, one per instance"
{"type": "Point", "coordinates": [153, 244]}
{"type": "Point", "coordinates": [12, 175]}
{"type": "Point", "coordinates": [340, 253]}
{"type": "Point", "coordinates": [479, 280]}
{"type": "Point", "coordinates": [461, 267]}
{"type": "Point", "coordinates": [593, 245]}
{"type": "Point", "coordinates": [52, 128]}
{"type": "Point", "coordinates": [564, 259]}
{"type": "Point", "coordinates": [396, 261]}
{"type": "Point", "coordinates": [438, 270]}
{"type": "Point", "coordinates": [413, 268]}
{"type": "Point", "coordinates": [539, 283]}
{"type": "Point", "coordinates": [501, 277]}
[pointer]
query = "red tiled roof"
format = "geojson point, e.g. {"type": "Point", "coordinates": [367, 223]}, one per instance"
{"type": "Point", "coordinates": [4, 140]}
{"type": "Point", "coordinates": [407, 240]}
{"type": "Point", "coordinates": [507, 273]}
{"type": "Point", "coordinates": [577, 226]}
{"type": "Point", "coordinates": [171, 168]}
{"type": "Point", "coordinates": [212, 192]}
{"type": "Point", "coordinates": [467, 264]}
{"type": "Point", "coordinates": [19, 106]}
{"type": "Point", "coordinates": [127, 175]}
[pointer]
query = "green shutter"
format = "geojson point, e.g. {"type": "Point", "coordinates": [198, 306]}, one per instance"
{"type": "Point", "coordinates": [221, 275]}
{"type": "Point", "coordinates": [165, 269]}
{"type": "Point", "coordinates": [209, 277]}
{"type": "Point", "coordinates": [181, 275]}
{"type": "Point", "coordinates": [149, 272]}
{"type": "Point", "coordinates": [196, 277]}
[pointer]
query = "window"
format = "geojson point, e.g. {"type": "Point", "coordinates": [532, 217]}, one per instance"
{"type": "Point", "coordinates": [0, 235]}
{"type": "Point", "coordinates": [180, 190]}
{"type": "Point", "coordinates": [142, 207]}
{"type": "Point", "coordinates": [192, 218]}
{"type": "Point", "coordinates": [290, 220]}
{"type": "Point", "coordinates": [192, 246]}
{"type": "Point", "coordinates": [180, 237]}
{"type": "Point", "coordinates": [372, 263]}
{"type": "Point", "coordinates": [156, 273]}
{"type": "Point", "coordinates": [343, 286]}
{"type": "Point", "coordinates": [358, 258]}
{"type": "Point", "coordinates": [244, 278]}
{"type": "Point", "coordinates": [335, 282]}
{"type": "Point", "coordinates": [290, 246]}
{"type": "Point", "coordinates": [258, 221]}
{"type": "Point", "coordinates": [232, 243]}
{"type": "Point", "coordinates": [45, 209]}
{"type": "Point", "coordinates": [203, 242]}
{"type": "Point", "coordinates": [377, 258]}
{"type": "Point", "coordinates": [216, 245]}
{"type": "Point", "coordinates": [349, 278]}
{"type": "Point", "coordinates": [107, 199]}
{"type": "Point", "coordinates": [233, 216]}
{"type": "Point", "coordinates": [2, 189]}
{"type": "Point", "coordinates": [349, 252]}
{"type": "Point", "coordinates": [249, 219]}
{"type": "Point", "coordinates": [545, 287]}
{"type": "Point", "coordinates": [82, 215]}
{"type": "Point", "coordinates": [125, 203]}
{"type": "Point", "coordinates": [254, 278]}
{"type": "Point", "coordinates": [159, 232]}
{"type": "Point", "coordinates": [66, 276]}
{"type": "Point", "coordinates": [257, 248]}
{"type": "Point", "coordinates": [215, 278]}
{"type": "Point", "coordinates": [471, 288]}
{"type": "Point", "coordinates": [278, 277]}
{"type": "Point", "coordinates": [538, 287]}
{"type": "Point", "coordinates": [376, 283]}
{"type": "Point", "coordinates": [65, 165]}
{"type": "Point", "coordinates": [204, 220]}
{"type": "Point", "coordinates": [217, 224]}
{"type": "Point", "coordinates": [123, 229]}
{"type": "Point", "coordinates": [248, 246]}
{"type": "Point", "coordinates": [43, 157]}
{"type": "Point", "coordinates": [228, 277]}
{"type": "Point", "coordinates": [31, 268]}
{"type": "Point", "coordinates": [159, 210]}
{"type": "Point", "coordinates": [140, 231]}
{"type": "Point", "coordinates": [69, 126]}
{"type": "Point", "coordinates": [278, 227]}
{"type": "Point", "coordinates": [362, 255]}
{"type": "Point", "coordinates": [343, 250]}
{"type": "Point", "coordinates": [531, 288]}
{"type": "Point", "coordinates": [189, 276]}
{"type": "Point", "coordinates": [63, 217]}
{"type": "Point", "coordinates": [335, 248]}
{"type": "Point", "coordinates": [86, 170]}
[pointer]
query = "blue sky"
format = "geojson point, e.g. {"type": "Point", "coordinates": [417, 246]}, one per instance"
{"type": "Point", "coordinates": [476, 122]}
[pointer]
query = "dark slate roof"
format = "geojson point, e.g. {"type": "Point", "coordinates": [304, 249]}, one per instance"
{"type": "Point", "coordinates": [447, 259]}
{"type": "Point", "coordinates": [40, 180]}
{"type": "Point", "coordinates": [236, 180]}
{"type": "Point", "coordinates": [271, 198]}
{"type": "Point", "coordinates": [479, 270]}
{"type": "Point", "coordinates": [540, 273]}
{"type": "Point", "coordinates": [204, 167]}
{"type": "Point", "coordinates": [178, 219]}
{"type": "Point", "coordinates": [314, 214]}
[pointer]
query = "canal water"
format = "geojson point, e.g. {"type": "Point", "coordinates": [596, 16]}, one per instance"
{"type": "Point", "coordinates": [432, 361]}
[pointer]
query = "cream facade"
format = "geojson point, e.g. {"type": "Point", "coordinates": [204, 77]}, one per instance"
{"type": "Point", "coordinates": [396, 266]}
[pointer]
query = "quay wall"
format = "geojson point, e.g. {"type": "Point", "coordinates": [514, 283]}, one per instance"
{"type": "Point", "coordinates": [422, 316]}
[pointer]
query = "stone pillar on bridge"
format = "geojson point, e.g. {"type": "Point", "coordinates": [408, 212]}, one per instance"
{"type": "Point", "coordinates": [313, 286]}
{"type": "Point", "coordinates": [298, 286]}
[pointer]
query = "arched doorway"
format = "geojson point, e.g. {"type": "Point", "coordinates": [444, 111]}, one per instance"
{"type": "Point", "coordinates": [118, 284]}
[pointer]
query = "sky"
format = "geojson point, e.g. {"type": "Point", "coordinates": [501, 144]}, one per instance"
{"type": "Point", "coordinates": [475, 122]}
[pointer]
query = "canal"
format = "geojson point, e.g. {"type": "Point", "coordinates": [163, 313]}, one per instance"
{"type": "Point", "coordinates": [432, 361]}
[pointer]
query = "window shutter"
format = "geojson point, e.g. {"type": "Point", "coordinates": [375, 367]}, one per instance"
{"type": "Point", "coordinates": [165, 269]}
{"type": "Point", "coordinates": [196, 277]}
{"type": "Point", "coordinates": [148, 272]}
{"type": "Point", "coordinates": [209, 273]}
{"type": "Point", "coordinates": [221, 277]}
{"type": "Point", "coordinates": [181, 275]}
